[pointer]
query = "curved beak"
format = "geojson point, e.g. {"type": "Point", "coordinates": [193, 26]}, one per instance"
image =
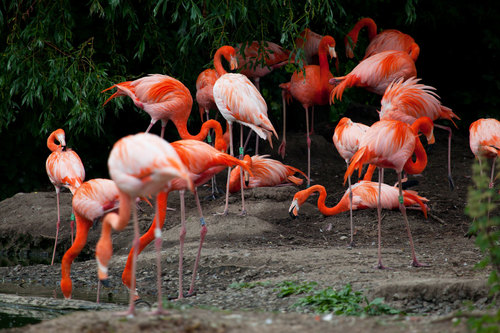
{"type": "Point", "coordinates": [331, 50]}
{"type": "Point", "coordinates": [233, 63]}
{"type": "Point", "coordinates": [430, 138]}
{"type": "Point", "coordinates": [246, 177]}
{"type": "Point", "coordinates": [294, 209]}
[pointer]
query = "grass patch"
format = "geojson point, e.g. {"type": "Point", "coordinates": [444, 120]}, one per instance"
{"type": "Point", "coordinates": [249, 285]}
{"type": "Point", "coordinates": [287, 288]}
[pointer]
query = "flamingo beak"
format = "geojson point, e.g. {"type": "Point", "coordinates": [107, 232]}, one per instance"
{"type": "Point", "coordinates": [233, 63]}
{"type": "Point", "coordinates": [331, 50]}
{"type": "Point", "coordinates": [430, 138]}
{"type": "Point", "coordinates": [294, 209]}
{"type": "Point", "coordinates": [247, 178]}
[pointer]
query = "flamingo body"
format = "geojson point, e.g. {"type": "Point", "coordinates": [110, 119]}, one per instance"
{"type": "Point", "coordinates": [484, 138]}
{"type": "Point", "coordinates": [346, 137]}
{"type": "Point", "coordinates": [205, 90]}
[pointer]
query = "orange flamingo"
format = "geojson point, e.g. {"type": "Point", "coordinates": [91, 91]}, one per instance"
{"type": "Point", "coordinates": [391, 144]}
{"type": "Point", "coordinates": [408, 100]}
{"type": "Point", "coordinates": [389, 39]}
{"type": "Point", "coordinates": [164, 98]}
{"type": "Point", "coordinates": [310, 89]}
{"type": "Point", "coordinates": [256, 60]}
{"type": "Point", "coordinates": [362, 195]}
{"type": "Point", "coordinates": [266, 173]}
{"type": "Point", "coordinates": [484, 141]}
{"type": "Point", "coordinates": [91, 201]}
{"type": "Point", "coordinates": [65, 169]}
{"type": "Point", "coordinates": [140, 165]}
{"type": "Point", "coordinates": [239, 101]}
{"type": "Point", "coordinates": [375, 73]}
{"type": "Point", "coordinates": [346, 139]}
{"type": "Point", "coordinates": [203, 162]}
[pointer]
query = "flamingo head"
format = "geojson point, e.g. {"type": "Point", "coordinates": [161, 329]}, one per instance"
{"type": "Point", "coordinates": [246, 176]}
{"type": "Point", "coordinates": [298, 199]}
{"type": "Point", "coordinates": [426, 126]}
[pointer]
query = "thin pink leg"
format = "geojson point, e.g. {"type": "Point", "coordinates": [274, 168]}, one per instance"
{"type": "Point", "coordinates": [131, 309]}
{"type": "Point", "coordinates": [98, 291]}
{"type": "Point", "coordinates": [450, 179]}
{"type": "Point", "coordinates": [57, 226]}
{"type": "Point", "coordinates": [243, 211]}
{"type": "Point", "coordinates": [282, 147]}
{"type": "Point", "coordinates": [203, 232]}
{"type": "Point", "coordinates": [231, 150]}
{"type": "Point", "coordinates": [350, 211]}
{"type": "Point", "coordinates": [379, 214]}
{"type": "Point", "coordinates": [158, 242]}
{"type": "Point", "coordinates": [182, 236]}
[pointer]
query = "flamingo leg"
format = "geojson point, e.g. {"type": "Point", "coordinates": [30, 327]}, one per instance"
{"type": "Point", "coordinates": [312, 121]}
{"type": "Point", "coordinates": [158, 242]}
{"type": "Point", "coordinates": [450, 179]}
{"type": "Point", "coordinates": [57, 225]}
{"type": "Point", "coordinates": [135, 243]}
{"type": "Point", "coordinates": [203, 232]}
{"type": "Point", "coordinates": [182, 236]}
{"type": "Point", "coordinates": [402, 208]}
{"type": "Point", "coordinates": [226, 206]}
{"type": "Point", "coordinates": [350, 211]}
{"type": "Point", "coordinates": [215, 190]}
{"type": "Point", "coordinates": [248, 139]}
{"type": "Point", "coordinates": [282, 147]}
{"type": "Point", "coordinates": [492, 173]}
{"type": "Point", "coordinates": [379, 214]}
{"type": "Point", "coordinates": [308, 149]}
{"type": "Point", "coordinates": [149, 127]}
{"type": "Point", "coordinates": [243, 210]}
{"type": "Point", "coordinates": [72, 223]}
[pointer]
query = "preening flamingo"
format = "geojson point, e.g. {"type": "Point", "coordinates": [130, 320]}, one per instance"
{"type": "Point", "coordinates": [266, 173]}
{"type": "Point", "coordinates": [164, 98]}
{"type": "Point", "coordinates": [386, 40]}
{"type": "Point", "coordinates": [91, 201]}
{"type": "Point", "coordinates": [65, 169]}
{"type": "Point", "coordinates": [140, 165]}
{"type": "Point", "coordinates": [408, 100]}
{"type": "Point", "coordinates": [363, 195]}
{"type": "Point", "coordinates": [239, 101]}
{"type": "Point", "coordinates": [205, 92]}
{"type": "Point", "coordinates": [391, 144]}
{"type": "Point", "coordinates": [375, 73]}
{"type": "Point", "coordinates": [203, 162]}
{"type": "Point", "coordinates": [484, 140]}
{"type": "Point", "coordinates": [346, 139]}
{"type": "Point", "coordinates": [311, 89]}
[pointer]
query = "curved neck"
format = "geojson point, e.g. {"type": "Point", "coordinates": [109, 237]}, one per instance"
{"type": "Point", "coordinates": [51, 142]}
{"type": "Point", "coordinates": [364, 23]}
{"type": "Point", "coordinates": [221, 52]}
{"type": "Point", "coordinates": [220, 144]}
{"type": "Point", "coordinates": [420, 163]}
{"type": "Point", "coordinates": [342, 206]}
{"type": "Point", "coordinates": [324, 70]}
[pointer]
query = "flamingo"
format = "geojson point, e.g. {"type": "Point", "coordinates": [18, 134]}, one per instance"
{"type": "Point", "coordinates": [266, 173]}
{"type": "Point", "coordinates": [164, 98]}
{"type": "Point", "coordinates": [391, 144]}
{"type": "Point", "coordinates": [91, 201]}
{"type": "Point", "coordinates": [203, 162]}
{"type": "Point", "coordinates": [346, 139]}
{"type": "Point", "coordinates": [140, 165]}
{"type": "Point", "coordinates": [239, 101]}
{"type": "Point", "coordinates": [205, 91]}
{"type": "Point", "coordinates": [408, 100]}
{"type": "Point", "coordinates": [310, 89]}
{"type": "Point", "coordinates": [375, 73]}
{"type": "Point", "coordinates": [362, 195]}
{"type": "Point", "coordinates": [386, 40]}
{"type": "Point", "coordinates": [484, 141]}
{"type": "Point", "coordinates": [65, 169]}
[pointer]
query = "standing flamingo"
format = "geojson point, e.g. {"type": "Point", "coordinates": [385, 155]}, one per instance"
{"type": "Point", "coordinates": [346, 139]}
{"type": "Point", "coordinates": [391, 144]}
{"type": "Point", "coordinates": [91, 201]}
{"type": "Point", "coordinates": [203, 162]}
{"type": "Point", "coordinates": [164, 98]}
{"type": "Point", "coordinates": [484, 141]}
{"type": "Point", "coordinates": [375, 73]}
{"type": "Point", "coordinates": [389, 39]}
{"type": "Point", "coordinates": [311, 88]}
{"type": "Point", "coordinates": [239, 101]}
{"type": "Point", "coordinates": [408, 100]}
{"type": "Point", "coordinates": [140, 165]}
{"type": "Point", "coordinates": [205, 92]}
{"type": "Point", "coordinates": [65, 169]}
{"type": "Point", "coordinates": [362, 195]}
{"type": "Point", "coordinates": [266, 173]}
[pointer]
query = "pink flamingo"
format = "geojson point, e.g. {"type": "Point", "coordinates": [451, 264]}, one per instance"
{"type": "Point", "coordinates": [310, 89]}
{"type": "Point", "coordinates": [65, 169]}
{"type": "Point", "coordinates": [484, 141]}
{"type": "Point", "coordinates": [202, 162]}
{"type": "Point", "coordinates": [375, 73]}
{"type": "Point", "coordinates": [391, 144]}
{"type": "Point", "coordinates": [386, 40]}
{"type": "Point", "coordinates": [205, 91]}
{"type": "Point", "coordinates": [92, 200]}
{"type": "Point", "coordinates": [266, 173]}
{"type": "Point", "coordinates": [140, 165]}
{"type": "Point", "coordinates": [408, 100]}
{"type": "Point", "coordinates": [239, 101]}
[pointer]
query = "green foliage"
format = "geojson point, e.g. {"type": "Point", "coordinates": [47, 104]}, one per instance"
{"type": "Point", "coordinates": [482, 206]}
{"type": "Point", "coordinates": [287, 288]}
{"type": "Point", "coordinates": [248, 285]}
{"type": "Point", "coordinates": [345, 302]}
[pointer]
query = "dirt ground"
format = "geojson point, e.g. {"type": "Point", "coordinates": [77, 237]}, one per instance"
{"type": "Point", "coordinates": [268, 246]}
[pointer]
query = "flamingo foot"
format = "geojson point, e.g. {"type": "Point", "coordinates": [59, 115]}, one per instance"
{"type": "Point", "coordinates": [380, 266]}
{"type": "Point", "coordinates": [282, 149]}
{"type": "Point", "coordinates": [224, 213]}
{"type": "Point", "coordinates": [351, 244]}
{"type": "Point", "coordinates": [452, 184]}
{"type": "Point", "coordinates": [243, 213]}
{"type": "Point", "coordinates": [184, 295]}
{"type": "Point", "coordinates": [416, 263]}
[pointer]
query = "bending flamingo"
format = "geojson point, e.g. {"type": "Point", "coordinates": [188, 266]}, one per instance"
{"type": "Point", "coordinates": [484, 140]}
{"type": "Point", "coordinates": [239, 101]}
{"type": "Point", "coordinates": [65, 169]}
{"type": "Point", "coordinates": [311, 89]}
{"type": "Point", "coordinates": [203, 162]}
{"type": "Point", "coordinates": [386, 40]}
{"type": "Point", "coordinates": [346, 139]}
{"type": "Point", "coordinates": [140, 165]}
{"type": "Point", "coordinates": [266, 173]}
{"type": "Point", "coordinates": [363, 195]}
{"type": "Point", "coordinates": [375, 73]}
{"type": "Point", "coordinates": [408, 100]}
{"type": "Point", "coordinates": [391, 144]}
{"type": "Point", "coordinates": [91, 201]}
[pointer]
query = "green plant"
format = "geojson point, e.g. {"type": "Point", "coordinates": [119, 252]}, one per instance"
{"type": "Point", "coordinates": [287, 288]}
{"type": "Point", "coordinates": [482, 206]}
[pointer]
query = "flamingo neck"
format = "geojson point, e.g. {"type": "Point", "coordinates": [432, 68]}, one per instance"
{"type": "Point", "coordinates": [425, 125]}
{"type": "Point", "coordinates": [218, 62]}
{"type": "Point", "coordinates": [342, 206]}
{"type": "Point", "coordinates": [364, 23]}
{"type": "Point", "coordinates": [51, 142]}
{"type": "Point", "coordinates": [324, 73]}
{"type": "Point", "coordinates": [220, 144]}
